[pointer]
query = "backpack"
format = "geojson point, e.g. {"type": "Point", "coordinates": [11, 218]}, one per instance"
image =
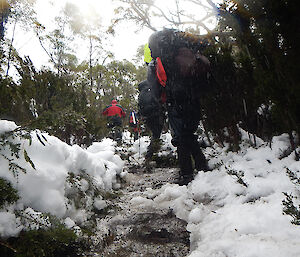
{"type": "Point", "coordinates": [152, 90]}
{"type": "Point", "coordinates": [148, 103]}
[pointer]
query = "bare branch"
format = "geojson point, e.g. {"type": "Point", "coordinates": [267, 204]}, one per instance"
{"type": "Point", "coordinates": [143, 11]}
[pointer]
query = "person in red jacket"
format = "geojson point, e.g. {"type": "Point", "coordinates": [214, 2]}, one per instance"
{"type": "Point", "coordinates": [114, 113]}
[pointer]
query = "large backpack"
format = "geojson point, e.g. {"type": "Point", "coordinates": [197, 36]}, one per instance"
{"type": "Point", "coordinates": [148, 103]}
{"type": "Point", "coordinates": [150, 93]}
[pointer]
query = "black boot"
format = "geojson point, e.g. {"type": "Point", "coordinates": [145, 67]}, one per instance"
{"type": "Point", "coordinates": [152, 148]}
{"type": "Point", "coordinates": [198, 156]}
{"type": "Point", "coordinates": [183, 180]}
{"type": "Point", "coordinates": [185, 165]}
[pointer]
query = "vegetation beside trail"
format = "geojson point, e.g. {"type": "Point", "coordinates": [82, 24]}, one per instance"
{"type": "Point", "coordinates": [254, 52]}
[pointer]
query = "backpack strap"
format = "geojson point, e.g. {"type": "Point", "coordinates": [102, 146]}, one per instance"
{"type": "Point", "coordinates": [160, 72]}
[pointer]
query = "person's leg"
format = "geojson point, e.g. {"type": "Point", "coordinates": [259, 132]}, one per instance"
{"type": "Point", "coordinates": [181, 140]}
{"type": "Point", "coordinates": [135, 135]}
{"type": "Point", "coordinates": [184, 160]}
{"type": "Point", "coordinates": [198, 156]}
{"type": "Point", "coordinates": [118, 134]}
{"type": "Point", "coordinates": [155, 124]}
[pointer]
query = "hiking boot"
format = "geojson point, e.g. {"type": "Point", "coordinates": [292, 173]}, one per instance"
{"type": "Point", "coordinates": [152, 148]}
{"type": "Point", "coordinates": [204, 167]}
{"type": "Point", "coordinates": [183, 180]}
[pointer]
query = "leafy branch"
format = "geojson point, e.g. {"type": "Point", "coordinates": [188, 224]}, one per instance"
{"type": "Point", "coordinates": [290, 209]}
{"type": "Point", "coordinates": [10, 150]}
{"type": "Point", "coordinates": [238, 174]}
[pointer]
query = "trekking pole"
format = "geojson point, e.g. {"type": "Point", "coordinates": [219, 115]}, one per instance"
{"type": "Point", "coordinates": [139, 142]}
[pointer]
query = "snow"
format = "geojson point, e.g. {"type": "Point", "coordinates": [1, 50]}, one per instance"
{"type": "Point", "coordinates": [231, 217]}
{"type": "Point", "coordinates": [9, 224]}
{"type": "Point", "coordinates": [100, 204]}
{"type": "Point", "coordinates": [46, 188]}
{"type": "Point", "coordinates": [234, 210]}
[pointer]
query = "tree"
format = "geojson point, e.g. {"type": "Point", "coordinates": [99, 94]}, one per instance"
{"type": "Point", "coordinates": [188, 14]}
{"type": "Point", "coordinates": [16, 12]}
{"type": "Point", "coordinates": [267, 32]}
{"type": "Point", "coordinates": [57, 43]}
{"type": "Point", "coordinates": [90, 29]}
{"type": "Point", "coordinates": [4, 12]}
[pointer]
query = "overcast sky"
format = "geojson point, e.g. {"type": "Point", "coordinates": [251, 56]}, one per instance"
{"type": "Point", "coordinates": [124, 44]}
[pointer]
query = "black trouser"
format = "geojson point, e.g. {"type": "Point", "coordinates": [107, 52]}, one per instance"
{"type": "Point", "coordinates": [183, 126]}
{"type": "Point", "coordinates": [114, 121]}
{"type": "Point", "coordinates": [115, 125]}
{"type": "Point", "coordinates": [155, 123]}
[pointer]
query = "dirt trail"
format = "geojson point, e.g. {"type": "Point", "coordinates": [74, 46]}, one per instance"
{"type": "Point", "coordinates": [136, 230]}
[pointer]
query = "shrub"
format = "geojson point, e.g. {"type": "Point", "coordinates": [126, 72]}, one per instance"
{"type": "Point", "coordinates": [8, 194]}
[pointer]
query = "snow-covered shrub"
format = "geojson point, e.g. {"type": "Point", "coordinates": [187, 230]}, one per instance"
{"type": "Point", "coordinates": [290, 202]}
{"type": "Point", "coordinates": [54, 241]}
{"type": "Point", "coordinates": [289, 208]}
{"type": "Point", "coordinates": [53, 179]}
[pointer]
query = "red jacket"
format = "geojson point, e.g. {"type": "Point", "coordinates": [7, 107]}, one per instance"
{"type": "Point", "coordinates": [114, 109]}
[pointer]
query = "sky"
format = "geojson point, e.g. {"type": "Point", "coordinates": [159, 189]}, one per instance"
{"type": "Point", "coordinates": [124, 44]}
{"type": "Point", "coordinates": [224, 216]}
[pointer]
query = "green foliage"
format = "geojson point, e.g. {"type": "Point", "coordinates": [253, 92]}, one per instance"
{"type": "Point", "coordinates": [120, 79]}
{"type": "Point", "coordinates": [6, 97]}
{"type": "Point", "coordinates": [56, 241]}
{"type": "Point", "coordinates": [27, 159]}
{"type": "Point", "coordinates": [10, 150]}
{"type": "Point", "coordinates": [65, 105]}
{"type": "Point", "coordinates": [8, 194]}
{"type": "Point", "coordinates": [263, 32]}
{"type": "Point", "coordinates": [222, 104]}
{"type": "Point", "coordinates": [238, 174]}
{"type": "Point", "coordinates": [293, 176]}
{"type": "Point", "coordinates": [68, 102]}
{"type": "Point", "coordinates": [253, 63]}
{"type": "Point", "coordinates": [290, 209]}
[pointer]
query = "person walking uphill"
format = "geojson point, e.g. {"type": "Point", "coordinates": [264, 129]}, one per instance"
{"type": "Point", "coordinates": [181, 75]}
{"type": "Point", "coordinates": [114, 113]}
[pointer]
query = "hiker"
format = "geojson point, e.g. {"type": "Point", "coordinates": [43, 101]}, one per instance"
{"type": "Point", "coordinates": [114, 113]}
{"type": "Point", "coordinates": [152, 110]}
{"type": "Point", "coordinates": [178, 75]}
{"type": "Point", "coordinates": [134, 124]}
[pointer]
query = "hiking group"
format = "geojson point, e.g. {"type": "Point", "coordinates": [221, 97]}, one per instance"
{"type": "Point", "coordinates": [177, 75]}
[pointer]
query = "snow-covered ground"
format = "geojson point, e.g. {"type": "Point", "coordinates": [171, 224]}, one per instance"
{"type": "Point", "coordinates": [234, 210]}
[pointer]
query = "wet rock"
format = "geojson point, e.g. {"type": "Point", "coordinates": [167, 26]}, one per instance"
{"type": "Point", "coordinates": [157, 228]}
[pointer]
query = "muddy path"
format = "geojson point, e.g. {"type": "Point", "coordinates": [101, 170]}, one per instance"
{"type": "Point", "coordinates": [131, 229]}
